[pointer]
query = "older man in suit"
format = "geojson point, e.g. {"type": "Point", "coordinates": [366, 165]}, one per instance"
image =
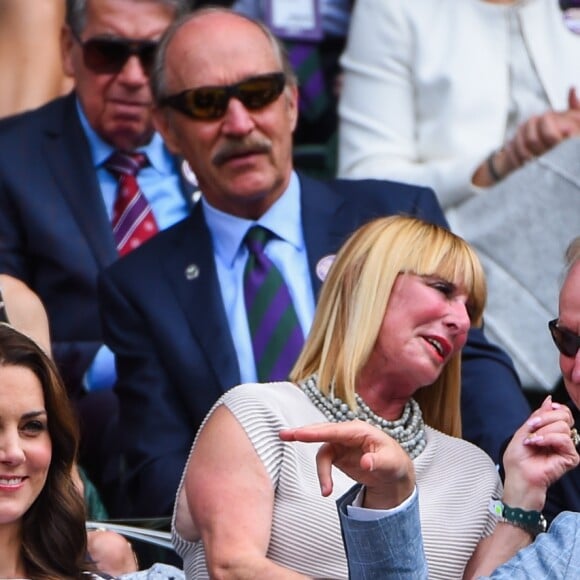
{"type": "Point", "coordinates": [58, 192]}
{"type": "Point", "coordinates": [174, 310]}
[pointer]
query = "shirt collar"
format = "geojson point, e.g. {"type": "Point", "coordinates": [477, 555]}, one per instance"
{"type": "Point", "coordinates": [283, 219]}
{"type": "Point", "coordinates": [158, 155]}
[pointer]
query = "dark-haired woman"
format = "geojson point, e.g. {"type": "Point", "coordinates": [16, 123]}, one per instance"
{"type": "Point", "coordinates": [42, 516]}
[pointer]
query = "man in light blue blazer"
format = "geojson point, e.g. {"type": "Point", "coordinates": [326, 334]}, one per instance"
{"type": "Point", "coordinates": [391, 547]}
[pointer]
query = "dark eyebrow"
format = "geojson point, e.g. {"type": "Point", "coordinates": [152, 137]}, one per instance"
{"type": "Point", "coordinates": [33, 414]}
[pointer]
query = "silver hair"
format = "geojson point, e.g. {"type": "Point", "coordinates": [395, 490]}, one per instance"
{"type": "Point", "coordinates": [76, 11]}
{"type": "Point", "coordinates": [157, 78]}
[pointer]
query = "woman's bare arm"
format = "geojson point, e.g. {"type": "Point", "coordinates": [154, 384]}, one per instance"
{"type": "Point", "coordinates": [231, 498]}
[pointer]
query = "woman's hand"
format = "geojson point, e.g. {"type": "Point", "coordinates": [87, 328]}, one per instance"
{"type": "Point", "coordinates": [366, 454]}
{"type": "Point", "coordinates": [542, 132]}
{"type": "Point", "coordinates": [534, 137]}
{"type": "Point", "coordinates": [540, 452]}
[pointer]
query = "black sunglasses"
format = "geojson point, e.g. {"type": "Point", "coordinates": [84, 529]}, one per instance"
{"type": "Point", "coordinates": [212, 102]}
{"type": "Point", "coordinates": [109, 55]}
{"type": "Point", "coordinates": [567, 342]}
{"type": "Point", "coordinates": [571, 10]}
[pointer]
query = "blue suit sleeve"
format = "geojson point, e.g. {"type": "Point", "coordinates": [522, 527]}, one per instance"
{"type": "Point", "coordinates": [155, 431]}
{"type": "Point", "coordinates": [388, 548]}
{"type": "Point", "coordinates": [555, 554]}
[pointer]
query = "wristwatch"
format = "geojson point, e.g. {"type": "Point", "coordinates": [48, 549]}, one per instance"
{"type": "Point", "coordinates": [531, 521]}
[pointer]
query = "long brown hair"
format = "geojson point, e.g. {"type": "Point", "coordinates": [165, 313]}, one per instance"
{"type": "Point", "coordinates": [54, 539]}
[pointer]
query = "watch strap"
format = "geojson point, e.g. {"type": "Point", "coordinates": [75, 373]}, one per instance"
{"type": "Point", "coordinates": [531, 521]}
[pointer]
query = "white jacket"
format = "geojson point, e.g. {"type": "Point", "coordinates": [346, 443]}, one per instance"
{"type": "Point", "coordinates": [426, 87]}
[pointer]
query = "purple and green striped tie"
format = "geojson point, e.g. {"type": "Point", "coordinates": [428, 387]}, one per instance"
{"type": "Point", "coordinates": [274, 328]}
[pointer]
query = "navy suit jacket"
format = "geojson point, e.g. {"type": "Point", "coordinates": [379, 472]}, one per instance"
{"type": "Point", "coordinates": [54, 230]}
{"type": "Point", "coordinates": [175, 353]}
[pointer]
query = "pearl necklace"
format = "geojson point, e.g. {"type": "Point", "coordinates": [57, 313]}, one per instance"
{"type": "Point", "coordinates": [408, 430]}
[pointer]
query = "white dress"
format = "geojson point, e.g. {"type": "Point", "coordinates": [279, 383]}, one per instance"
{"type": "Point", "coordinates": [431, 87]}
{"type": "Point", "coordinates": [428, 86]}
{"type": "Point", "coordinates": [455, 481]}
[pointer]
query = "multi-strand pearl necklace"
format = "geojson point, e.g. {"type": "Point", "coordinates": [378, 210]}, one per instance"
{"type": "Point", "coordinates": [408, 430]}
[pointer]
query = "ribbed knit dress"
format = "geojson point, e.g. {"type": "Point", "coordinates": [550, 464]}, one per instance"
{"type": "Point", "coordinates": [455, 481]}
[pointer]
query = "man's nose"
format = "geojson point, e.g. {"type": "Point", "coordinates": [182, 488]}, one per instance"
{"type": "Point", "coordinates": [133, 72]}
{"type": "Point", "coordinates": [237, 121]}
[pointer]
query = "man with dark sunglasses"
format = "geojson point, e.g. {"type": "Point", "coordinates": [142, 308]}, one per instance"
{"type": "Point", "coordinates": [174, 311]}
{"type": "Point", "coordinates": [565, 331]}
{"type": "Point", "coordinates": [57, 194]}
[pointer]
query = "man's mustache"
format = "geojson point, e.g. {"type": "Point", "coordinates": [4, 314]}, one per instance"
{"type": "Point", "coordinates": [232, 149]}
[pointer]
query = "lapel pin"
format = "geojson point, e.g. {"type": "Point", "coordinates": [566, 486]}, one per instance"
{"type": "Point", "coordinates": [192, 272]}
{"type": "Point", "coordinates": [323, 266]}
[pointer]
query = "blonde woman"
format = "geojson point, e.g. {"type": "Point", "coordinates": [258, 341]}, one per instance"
{"type": "Point", "coordinates": [385, 345]}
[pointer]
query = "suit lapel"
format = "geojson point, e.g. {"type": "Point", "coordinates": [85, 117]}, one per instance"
{"type": "Point", "coordinates": [190, 267]}
{"type": "Point", "coordinates": [325, 223]}
{"type": "Point", "coordinates": [68, 156]}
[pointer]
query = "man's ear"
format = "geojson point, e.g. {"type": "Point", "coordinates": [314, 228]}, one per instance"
{"type": "Point", "coordinates": [66, 51]}
{"type": "Point", "coordinates": [164, 126]}
{"type": "Point", "coordinates": [292, 100]}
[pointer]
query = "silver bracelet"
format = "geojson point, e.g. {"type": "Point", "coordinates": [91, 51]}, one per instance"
{"type": "Point", "coordinates": [492, 169]}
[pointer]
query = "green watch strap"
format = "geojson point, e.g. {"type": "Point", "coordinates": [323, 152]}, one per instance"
{"type": "Point", "coordinates": [530, 520]}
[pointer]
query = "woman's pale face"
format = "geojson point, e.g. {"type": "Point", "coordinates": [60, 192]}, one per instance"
{"type": "Point", "coordinates": [25, 445]}
{"type": "Point", "coordinates": [570, 318]}
{"type": "Point", "coordinates": [425, 324]}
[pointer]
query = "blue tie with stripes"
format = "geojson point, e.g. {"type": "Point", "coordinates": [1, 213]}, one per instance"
{"type": "Point", "coordinates": [276, 333]}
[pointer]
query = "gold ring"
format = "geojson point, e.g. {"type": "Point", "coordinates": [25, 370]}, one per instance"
{"type": "Point", "coordinates": [575, 436]}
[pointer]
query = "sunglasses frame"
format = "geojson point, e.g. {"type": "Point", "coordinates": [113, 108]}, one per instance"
{"type": "Point", "coordinates": [144, 50]}
{"type": "Point", "coordinates": [184, 101]}
{"type": "Point", "coordinates": [562, 337]}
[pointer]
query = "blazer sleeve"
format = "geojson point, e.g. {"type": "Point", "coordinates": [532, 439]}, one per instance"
{"type": "Point", "coordinates": [155, 431]}
{"type": "Point", "coordinates": [379, 121]}
{"type": "Point", "coordinates": [555, 554]}
{"type": "Point", "coordinates": [387, 548]}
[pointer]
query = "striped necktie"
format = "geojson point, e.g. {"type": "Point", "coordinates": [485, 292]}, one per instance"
{"type": "Point", "coordinates": [274, 328]}
{"type": "Point", "coordinates": [133, 221]}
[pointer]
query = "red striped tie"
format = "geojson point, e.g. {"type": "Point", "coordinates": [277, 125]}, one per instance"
{"type": "Point", "coordinates": [133, 221]}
